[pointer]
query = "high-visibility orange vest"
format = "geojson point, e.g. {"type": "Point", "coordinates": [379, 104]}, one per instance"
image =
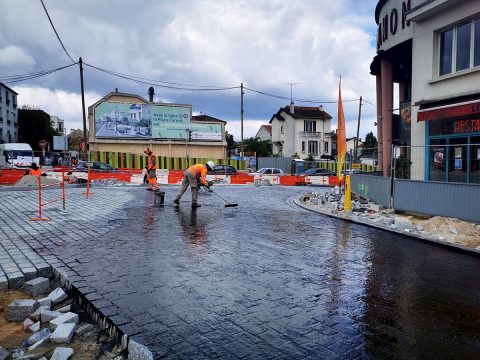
{"type": "Point", "coordinates": [152, 162]}
{"type": "Point", "coordinates": [200, 171]}
{"type": "Point", "coordinates": [37, 172]}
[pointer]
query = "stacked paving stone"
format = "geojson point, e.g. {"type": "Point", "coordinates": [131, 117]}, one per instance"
{"type": "Point", "coordinates": [19, 263]}
{"type": "Point", "coordinates": [58, 326]}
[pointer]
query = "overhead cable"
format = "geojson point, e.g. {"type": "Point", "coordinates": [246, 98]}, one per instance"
{"type": "Point", "coordinates": [8, 79]}
{"type": "Point", "coordinates": [161, 84]}
{"type": "Point", "coordinates": [298, 100]}
{"type": "Point", "coordinates": [56, 33]}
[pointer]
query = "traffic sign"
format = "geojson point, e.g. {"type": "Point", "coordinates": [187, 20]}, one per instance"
{"type": "Point", "coordinates": [42, 144]}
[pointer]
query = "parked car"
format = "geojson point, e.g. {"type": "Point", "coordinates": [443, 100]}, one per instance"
{"type": "Point", "coordinates": [268, 171]}
{"type": "Point", "coordinates": [353, 171]}
{"type": "Point", "coordinates": [319, 172]}
{"type": "Point", "coordinates": [97, 166]}
{"type": "Point", "coordinates": [222, 170]}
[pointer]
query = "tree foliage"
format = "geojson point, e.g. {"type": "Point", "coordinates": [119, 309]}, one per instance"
{"type": "Point", "coordinates": [34, 125]}
{"type": "Point", "coordinates": [230, 141]}
{"type": "Point", "coordinates": [370, 141]}
{"type": "Point", "coordinates": [261, 147]}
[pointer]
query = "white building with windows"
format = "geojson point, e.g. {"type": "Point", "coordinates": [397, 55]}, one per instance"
{"type": "Point", "coordinates": [431, 49]}
{"type": "Point", "coordinates": [8, 115]}
{"type": "Point", "coordinates": [301, 130]}
{"type": "Point", "coordinates": [58, 124]}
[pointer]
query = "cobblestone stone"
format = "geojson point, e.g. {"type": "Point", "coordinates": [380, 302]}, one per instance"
{"type": "Point", "coordinates": [264, 280]}
{"type": "Point", "coordinates": [63, 333]}
{"type": "Point", "coordinates": [38, 286]}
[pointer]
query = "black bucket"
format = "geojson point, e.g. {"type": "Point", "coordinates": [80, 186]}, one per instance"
{"type": "Point", "coordinates": [159, 197]}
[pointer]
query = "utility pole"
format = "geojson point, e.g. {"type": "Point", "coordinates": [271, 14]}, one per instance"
{"type": "Point", "coordinates": [241, 120]}
{"type": "Point", "coordinates": [358, 126]}
{"type": "Point", "coordinates": [83, 106]}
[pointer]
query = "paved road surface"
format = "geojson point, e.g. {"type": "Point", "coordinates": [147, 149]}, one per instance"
{"type": "Point", "coordinates": [265, 280]}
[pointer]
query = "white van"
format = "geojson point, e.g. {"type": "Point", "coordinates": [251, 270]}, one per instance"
{"type": "Point", "coordinates": [17, 155]}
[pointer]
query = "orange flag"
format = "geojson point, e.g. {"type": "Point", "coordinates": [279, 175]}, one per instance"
{"type": "Point", "coordinates": [341, 138]}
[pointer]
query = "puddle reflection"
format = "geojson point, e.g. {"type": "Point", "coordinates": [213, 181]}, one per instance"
{"type": "Point", "coordinates": [193, 229]}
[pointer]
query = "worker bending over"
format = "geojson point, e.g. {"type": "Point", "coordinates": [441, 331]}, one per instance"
{"type": "Point", "coordinates": [151, 170]}
{"type": "Point", "coordinates": [34, 170]}
{"type": "Point", "coordinates": [194, 176]}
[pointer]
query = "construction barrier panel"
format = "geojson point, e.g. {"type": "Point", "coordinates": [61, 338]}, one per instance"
{"type": "Point", "coordinates": [41, 203]}
{"type": "Point", "coordinates": [293, 180]}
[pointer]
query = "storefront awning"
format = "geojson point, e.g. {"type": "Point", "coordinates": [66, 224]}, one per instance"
{"type": "Point", "coordinates": [450, 111]}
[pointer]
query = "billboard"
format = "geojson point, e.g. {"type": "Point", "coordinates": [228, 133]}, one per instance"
{"type": "Point", "coordinates": [146, 121]}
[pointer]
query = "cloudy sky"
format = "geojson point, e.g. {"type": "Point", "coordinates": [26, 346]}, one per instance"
{"type": "Point", "coordinates": [265, 44]}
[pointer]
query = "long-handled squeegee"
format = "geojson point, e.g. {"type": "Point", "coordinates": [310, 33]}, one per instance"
{"type": "Point", "coordinates": [229, 204]}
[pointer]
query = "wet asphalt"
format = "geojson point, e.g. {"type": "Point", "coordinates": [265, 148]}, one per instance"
{"type": "Point", "coordinates": [264, 280]}
{"type": "Point", "coordinates": [269, 280]}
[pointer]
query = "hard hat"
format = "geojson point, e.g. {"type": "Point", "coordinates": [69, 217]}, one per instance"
{"type": "Point", "coordinates": [210, 164]}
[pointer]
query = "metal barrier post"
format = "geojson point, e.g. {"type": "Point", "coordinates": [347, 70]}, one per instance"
{"type": "Point", "coordinates": [63, 188]}
{"type": "Point", "coordinates": [88, 183]}
{"type": "Point", "coordinates": [40, 218]}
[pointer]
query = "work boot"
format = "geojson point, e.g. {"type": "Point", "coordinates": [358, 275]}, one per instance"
{"type": "Point", "coordinates": [195, 205]}
{"type": "Point", "coordinates": [176, 201]}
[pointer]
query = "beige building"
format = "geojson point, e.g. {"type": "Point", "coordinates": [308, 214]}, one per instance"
{"type": "Point", "coordinates": [430, 49]}
{"type": "Point", "coordinates": [127, 123]}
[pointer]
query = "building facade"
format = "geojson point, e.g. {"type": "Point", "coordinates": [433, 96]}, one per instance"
{"type": "Point", "coordinates": [128, 123]}
{"type": "Point", "coordinates": [264, 133]}
{"type": "Point", "coordinates": [431, 49]}
{"type": "Point", "coordinates": [302, 131]}
{"type": "Point", "coordinates": [8, 115]}
{"type": "Point", "coordinates": [58, 124]}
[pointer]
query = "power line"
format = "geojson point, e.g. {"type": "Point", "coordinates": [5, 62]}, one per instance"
{"type": "Point", "coordinates": [58, 37]}
{"type": "Point", "coordinates": [161, 84]}
{"type": "Point", "coordinates": [298, 100]}
{"type": "Point", "coordinates": [8, 79]}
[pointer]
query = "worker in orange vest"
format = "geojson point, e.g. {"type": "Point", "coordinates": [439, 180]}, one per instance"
{"type": "Point", "coordinates": [151, 170]}
{"type": "Point", "coordinates": [34, 170]}
{"type": "Point", "coordinates": [194, 176]}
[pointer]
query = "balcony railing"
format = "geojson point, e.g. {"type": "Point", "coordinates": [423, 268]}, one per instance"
{"type": "Point", "coordinates": [310, 133]}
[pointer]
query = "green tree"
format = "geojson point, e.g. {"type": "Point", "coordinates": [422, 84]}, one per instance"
{"type": "Point", "coordinates": [370, 145]}
{"type": "Point", "coordinates": [34, 125]}
{"type": "Point", "coordinates": [230, 141]}
{"type": "Point", "coordinates": [261, 147]}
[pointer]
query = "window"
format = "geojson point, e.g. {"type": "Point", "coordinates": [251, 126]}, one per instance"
{"type": "Point", "coordinates": [276, 171]}
{"type": "Point", "coordinates": [310, 126]}
{"type": "Point", "coordinates": [476, 51]}
{"type": "Point", "coordinates": [313, 147]}
{"type": "Point", "coordinates": [303, 147]}
{"type": "Point", "coordinates": [326, 147]}
{"type": "Point", "coordinates": [446, 45]}
{"type": "Point", "coordinates": [460, 47]}
{"type": "Point", "coordinates": [463, 46]}
{"type": "Point", "coordinates": [281, 129]}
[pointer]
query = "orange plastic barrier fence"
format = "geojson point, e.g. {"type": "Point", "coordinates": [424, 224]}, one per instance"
{"type": "Point", "coordinates": [131, 171]}
{"type": "Point", "coordinates": [102, 176]}
{"type": "Point", "coordinates": [333, 181]}
{"type": "Point", "coordinates": [241, 178]}
{"type": "Point", "coordinates": [293, 180]}
{"type": "Point", "coordinates": [174, 176]}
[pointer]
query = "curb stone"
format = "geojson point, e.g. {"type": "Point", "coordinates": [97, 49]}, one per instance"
{"type": "Point", "coordinates": [386, 228]}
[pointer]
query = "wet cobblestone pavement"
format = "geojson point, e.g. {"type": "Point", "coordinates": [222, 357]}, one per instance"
{"type": "Point", "coordinates": [266, 280]}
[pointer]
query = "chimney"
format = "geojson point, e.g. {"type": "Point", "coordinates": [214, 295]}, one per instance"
{"type": "Point", "coordinates": [116, 89]}
{"type": "Point", "coordinates": [151, 92]}
{"type": "Point", "coordinates": [292, 107]}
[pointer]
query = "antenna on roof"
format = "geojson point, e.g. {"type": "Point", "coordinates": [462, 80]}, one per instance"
{"type": "Point", "coordinates": [292, 106]}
